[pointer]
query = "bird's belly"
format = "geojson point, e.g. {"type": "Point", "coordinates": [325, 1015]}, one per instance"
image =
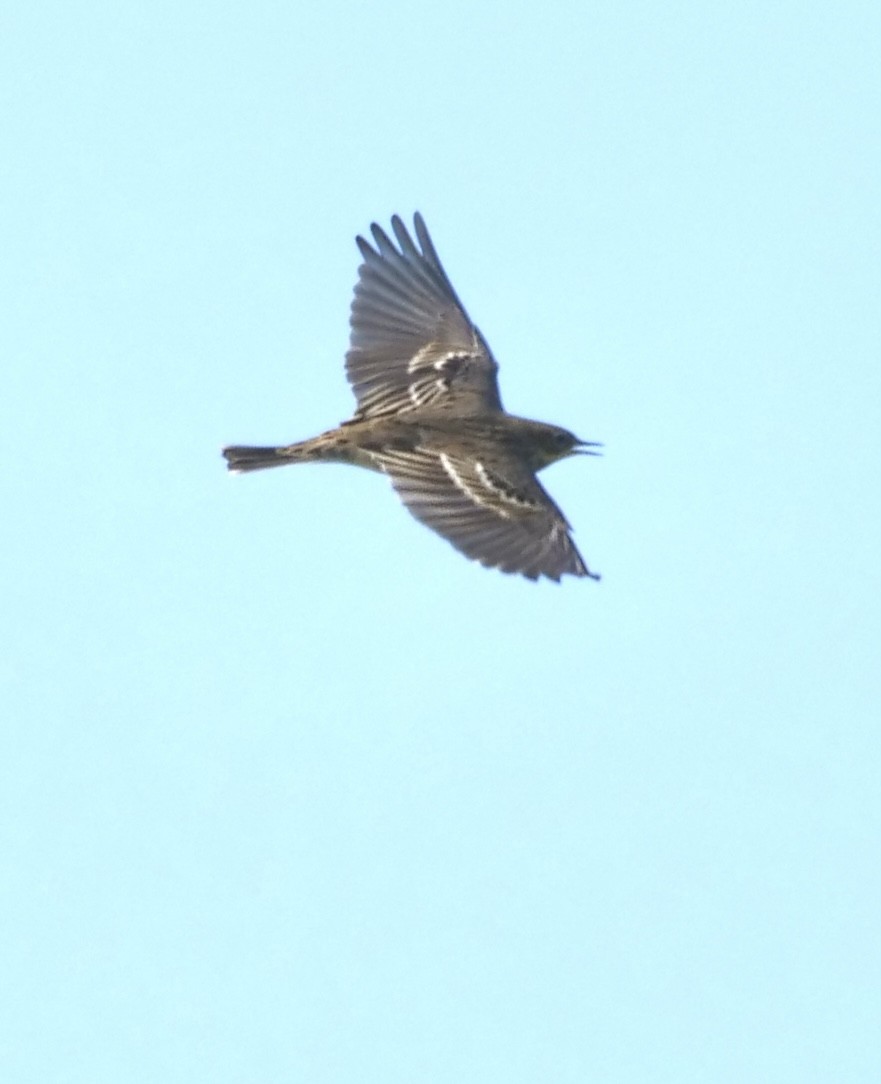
{"type": "Point", "coordinates": [359, 458]}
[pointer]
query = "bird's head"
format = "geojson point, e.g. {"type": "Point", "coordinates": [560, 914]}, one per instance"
{"type": "Point", "coordinates": [554, 443]}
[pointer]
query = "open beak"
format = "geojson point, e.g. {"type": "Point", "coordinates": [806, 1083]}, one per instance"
{"type": "Point", "coordinates": [585, 447]}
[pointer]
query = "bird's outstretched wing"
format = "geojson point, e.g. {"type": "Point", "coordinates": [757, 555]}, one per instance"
{"type": "Point", "coordinates": [492, 509]}
{"type": "Point", "coordinates": [412, 345]}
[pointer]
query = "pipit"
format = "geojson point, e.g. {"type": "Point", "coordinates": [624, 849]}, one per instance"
{"type": "Point", "coordinates": [430, 417]}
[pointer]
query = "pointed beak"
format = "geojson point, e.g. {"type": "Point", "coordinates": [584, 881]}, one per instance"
{"type": "Point", "coordinates": [585, 447]}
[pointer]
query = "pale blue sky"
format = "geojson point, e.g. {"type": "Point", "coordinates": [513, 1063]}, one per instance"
{"type": "Point", "coordinates": [290, 790]}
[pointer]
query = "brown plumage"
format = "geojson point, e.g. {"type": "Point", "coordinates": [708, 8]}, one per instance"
{"type": "Point", "coordinates": [430, 416]}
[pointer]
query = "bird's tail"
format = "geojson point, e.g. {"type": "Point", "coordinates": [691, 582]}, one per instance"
{"type": "Point", "coordinates": [241, 458]}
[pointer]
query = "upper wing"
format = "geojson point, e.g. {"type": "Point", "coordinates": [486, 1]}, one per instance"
{"type": "Point", "coordinates": [495, 512]}
{"type": "Point", "coordinates": [412, 344]}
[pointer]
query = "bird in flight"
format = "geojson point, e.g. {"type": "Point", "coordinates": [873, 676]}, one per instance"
{"type": "Point", "coordinates": [429, 416]}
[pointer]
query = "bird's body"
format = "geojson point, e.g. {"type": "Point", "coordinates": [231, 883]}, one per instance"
{"type": "Point", "coordinates": [362, 442]}
{"type": "Point", "coordinates": [430, 416]}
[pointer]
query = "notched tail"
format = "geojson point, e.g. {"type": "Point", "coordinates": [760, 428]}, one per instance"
{"type": "Point", "coordinates": [241, 458]}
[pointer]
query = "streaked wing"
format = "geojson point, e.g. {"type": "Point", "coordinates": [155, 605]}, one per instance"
{"type": "Point", "coordinates": [412, 344]}
{"type": "Point", "coordinates": [492, 510]}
